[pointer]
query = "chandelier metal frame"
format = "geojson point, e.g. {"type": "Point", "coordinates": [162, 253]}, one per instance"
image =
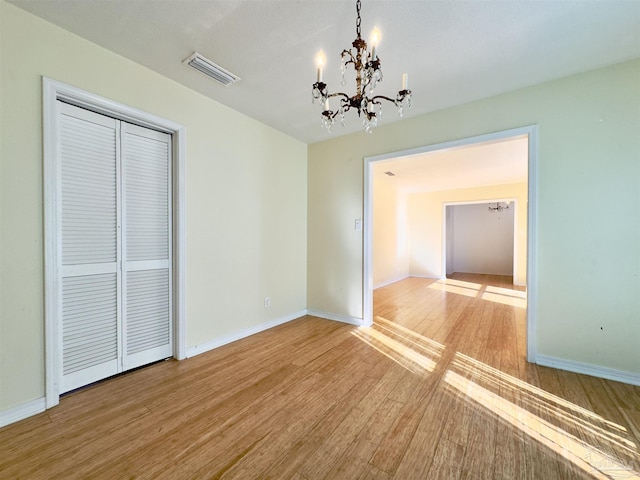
{"type": "Point", "coordinates": [500, 207]}
{"type": "Point", "coordinates": [368, 74]}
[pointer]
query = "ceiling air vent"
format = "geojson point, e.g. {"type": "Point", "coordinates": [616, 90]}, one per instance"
{"type": "Point", "coordinates": [210, 69]}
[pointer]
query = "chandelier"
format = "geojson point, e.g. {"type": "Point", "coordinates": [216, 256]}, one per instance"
{"type": "Point", "coordinates": [500, 207]}
{"type": "Point", "coordinates": [368, 74]}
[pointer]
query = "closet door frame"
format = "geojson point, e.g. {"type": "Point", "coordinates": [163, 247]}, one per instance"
{"type": "Point", "coordinates": [52, 91]}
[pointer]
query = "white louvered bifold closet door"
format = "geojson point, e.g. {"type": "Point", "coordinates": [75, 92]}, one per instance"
{"type": "Point", "coordinates": [146, 174]}
{"type": "Point", "coordinates": [90, 280]}
{"type": "Point", "coordinates": [115, 242]}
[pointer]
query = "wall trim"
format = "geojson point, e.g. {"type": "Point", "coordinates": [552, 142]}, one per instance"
{"type": "Point", "coordinates": [20, 412]}
{"type": "Point", "coordinates": [532, 245]}
{"type": "Point", "coordinates": [244, 333]}
{"type": "Point", "coordinates": [52, 91]}
{"type": "Point", "coordinates": [389, 282]}
{"type": "Point", "coordinates": [427, 276]}
{"type": "Point", "coordinates": [337, 317]}
{"type": "Point", "coordinates": [589, 369]}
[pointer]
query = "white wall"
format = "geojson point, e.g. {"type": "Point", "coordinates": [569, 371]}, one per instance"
{"type": "Point", "coordinates": [483, 239]}
{"type": "Point", "coordinates": [588, 253]}
{"type": "Point", "coordinates": [390, 237]}
{"type": "Point", "coordinates": [245, 200]}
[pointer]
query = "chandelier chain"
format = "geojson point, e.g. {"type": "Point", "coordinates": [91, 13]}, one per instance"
{"type": "Point", "coordinates": [358, 19]}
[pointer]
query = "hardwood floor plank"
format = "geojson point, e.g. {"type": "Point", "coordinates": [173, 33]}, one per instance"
{"type": "Point", "coordinates": [447, 461]}
{"type": "Point", "coordinates": [371, 472]}
{"type": "Point", "coordinates": [300, 417]}
{"type": "Point", "coordinates": [418, 456]}
{"type": "Point", "coordinates": [356, 456]}
{"type": "Point", "coordinates": [480, 448]}
{"type": "Point", "coordinates": [154, 437]}
{"type": "Point", "coordinates": [393, 445]}
{"type": "Point", "coordinates": [305, 446]}
{"type": "Point", "coordinates": [329, 452]}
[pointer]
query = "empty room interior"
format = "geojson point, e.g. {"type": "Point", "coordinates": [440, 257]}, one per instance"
{"type": "Point", "coordinates": [220, 259]}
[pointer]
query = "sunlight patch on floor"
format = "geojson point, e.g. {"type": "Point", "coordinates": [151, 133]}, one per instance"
{"type": "Point", "coordinates": [505, 299]}
{"type": "Point", "coordinates": [416, 353]}
{"type": "Point", "coordinates": [421, 340]}
{"type": "Point", "coordinates": [506, 291]}
{"type": "Point", "coordinates": [600, 447]}
{"type": "Point", "coordinates": [480, 370]}
{"type": "Point", "coordinates": [460, 283]}
{"type": "Point", "coordinates": [445, 286]}
{"type": "Point", "coordinates": [582, 454]}
{"type": "Point", "coordinates": [505, 296]}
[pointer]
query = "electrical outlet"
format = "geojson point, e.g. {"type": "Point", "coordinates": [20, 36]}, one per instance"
{"type": "Point", "coordinates": [267, 302]}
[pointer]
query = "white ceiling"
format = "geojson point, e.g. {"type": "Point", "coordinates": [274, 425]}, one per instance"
{"type": "Point", "coordinates": [454, 51]}
{"type": "Point", "coordinates": [493, 163]}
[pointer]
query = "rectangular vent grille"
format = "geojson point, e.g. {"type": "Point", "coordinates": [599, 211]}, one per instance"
{"type": "Point", "coordinates": [210, 69]}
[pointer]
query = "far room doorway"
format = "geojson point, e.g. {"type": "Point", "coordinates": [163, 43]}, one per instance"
{"type": "Point", "coordinates": [406, 199]}
{"type": "Point", "coordinates": [480, 238]}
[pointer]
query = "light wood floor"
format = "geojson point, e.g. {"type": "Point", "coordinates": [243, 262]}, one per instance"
{"type": "Point", "coordinates": [437, 389]}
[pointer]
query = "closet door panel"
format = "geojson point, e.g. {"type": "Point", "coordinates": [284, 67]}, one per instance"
{"type": "Point", "coordinates": [89, 276]}
{"type": "Point", "coordinates": [146, 173]}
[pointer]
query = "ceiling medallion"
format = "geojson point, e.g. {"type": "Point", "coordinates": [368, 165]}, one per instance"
{"type": "Point", "coordinates": [368, 74]}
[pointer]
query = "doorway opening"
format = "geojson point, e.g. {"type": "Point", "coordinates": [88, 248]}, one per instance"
{"type": "Point", "coordinates": [480, 237]}
{"type": "Point", "coordinates": [425, 253]}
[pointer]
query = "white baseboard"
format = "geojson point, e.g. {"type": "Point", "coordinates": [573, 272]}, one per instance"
{"type": "Point", "coordinates": [20, 412]}
{"type": "Point", "coordinates": [432, 277]}
{"type": "Point", "coordinates": [220, 341]}
{"type": "Point", "coordinates": [336, 317]}
{"type": "Point", "coordinates": [589, 369]}
{"type": "Point", "coordinates": [389, 282]}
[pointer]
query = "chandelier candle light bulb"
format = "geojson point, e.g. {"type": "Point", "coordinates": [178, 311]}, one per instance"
{"type": "Point", "coordinates": [375, 40]}
{"type": "Point", "coordinates": [320, 61]}
{"type": "Point", "coordinates": [366, 64]}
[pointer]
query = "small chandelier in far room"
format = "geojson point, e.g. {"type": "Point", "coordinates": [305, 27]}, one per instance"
{"type": "Point", "coordinates": [500, 207]}
{"type": "Point", "coordinates": [368, 73]}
